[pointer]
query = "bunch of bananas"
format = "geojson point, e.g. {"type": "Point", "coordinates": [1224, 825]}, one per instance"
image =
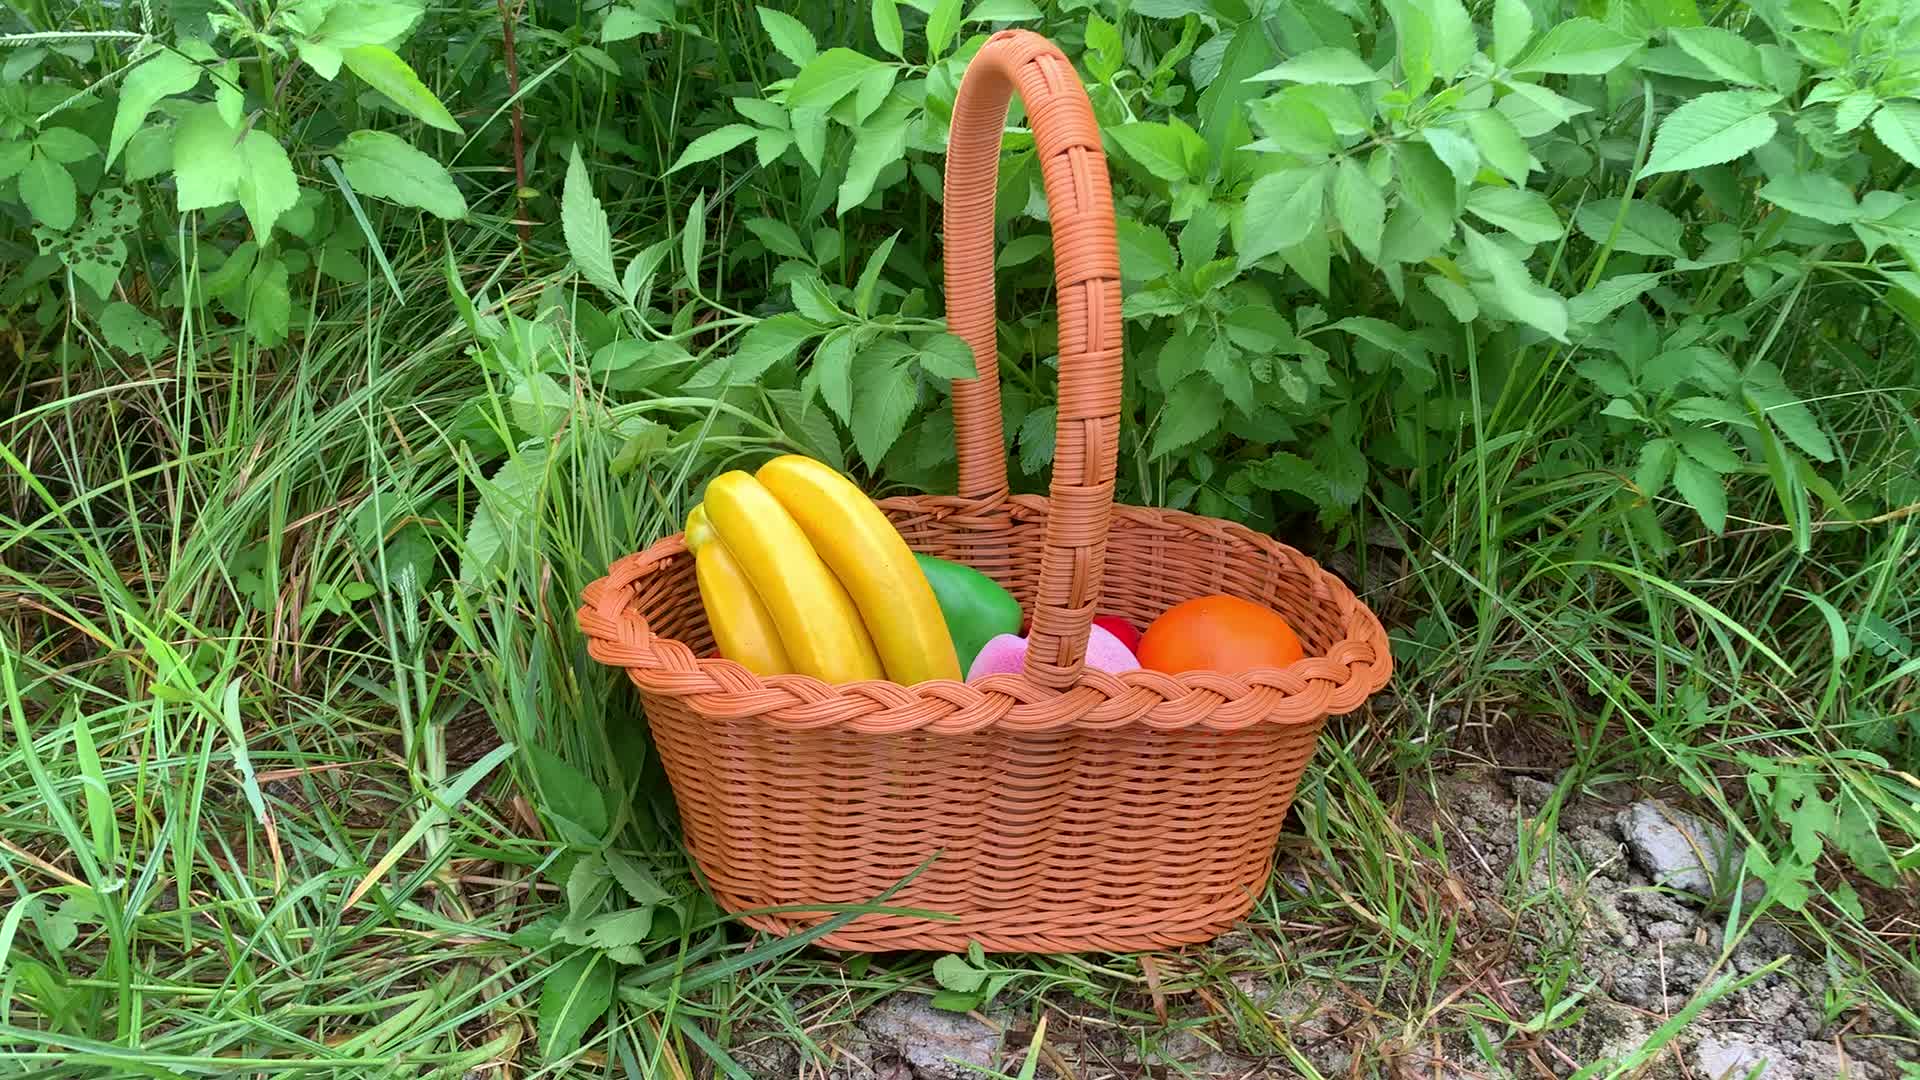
{"type": "Point", "coordinates": [799, 572]}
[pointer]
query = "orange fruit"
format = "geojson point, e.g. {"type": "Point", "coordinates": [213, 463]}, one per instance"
{"type": "Point", "coordinates": [1218, 633]}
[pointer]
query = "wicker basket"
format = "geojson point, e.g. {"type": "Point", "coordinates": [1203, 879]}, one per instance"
{"type": "Point", "coordinates": [1069, 809]}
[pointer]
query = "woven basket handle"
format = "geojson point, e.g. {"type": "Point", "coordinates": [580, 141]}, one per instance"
{"type": "Point", "coordinates": [1087, 272]}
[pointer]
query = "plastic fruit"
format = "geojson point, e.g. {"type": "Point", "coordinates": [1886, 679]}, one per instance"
{"type": "Point", "coordinates": [1218, 633]}
{"type": "Point", "coordinates": [975, 607]}
{"type": "Point", "coordinates": [743, 629]}
{"type": "Point", "coordinates": [1007, 654]}
{"type": "Point", "coordinates": [1119, 628]}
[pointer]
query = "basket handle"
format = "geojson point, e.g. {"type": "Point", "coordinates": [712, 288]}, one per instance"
{"type": "Point", "coordinates": [1087, 274]}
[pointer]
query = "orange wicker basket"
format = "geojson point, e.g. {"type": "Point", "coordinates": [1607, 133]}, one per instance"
{"type": "Point", "coordinates": [1064, 809]}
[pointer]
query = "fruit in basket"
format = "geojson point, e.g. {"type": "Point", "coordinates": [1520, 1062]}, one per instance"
{"type": "Point", "coordinates": [1218, 633]}
{"type": "Point", "coordinates": [872, 561]}
{"type": "Point", "coordinates": [1007, 654]}
{"type": "Point", "coordinates": [743, 629]}
{"type": "Point", "coordinates": [819, 626]}
{"type": "Point", "coordinates": [974, 605]}
{"type": "Point", "coordinates": [1120, 628]}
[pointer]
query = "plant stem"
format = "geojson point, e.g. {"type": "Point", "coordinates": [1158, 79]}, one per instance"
{"type": "Point", "coordinates": [507, 19]}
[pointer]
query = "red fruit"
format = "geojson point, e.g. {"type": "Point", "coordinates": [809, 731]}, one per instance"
{"type": "Point", "coordinates": [1122, 629]}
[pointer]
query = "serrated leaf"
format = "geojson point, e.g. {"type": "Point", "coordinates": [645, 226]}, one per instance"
{"type": "Point", "coordinates": [1609, 296]}
{"type": "Point", "coordinates": [64, 145]}
{"type": "Point", "coordinates": [1708, 448]}
{"type": "Point", "coordinates": [874, 150]}
{"type": "Point", "coordinates": [1500, 144]}
{"type": "Point", "coordinates": [1281, 209]}
{"type": "Point", "coordinates": [506, 502]}
{"type": "Point", "coordinates": [1037, 434]}
{"type": "Point", "coordinates": [885, 397]}
{"type": "Point", "coordinates": [713, 144]}
{"type": "Point", "coordinates": [1512, 26]}
{"type": "Point", "coordinates": [810, 135]}
{"type": "Point", "coordinates": [131, 330]}
{"type": "Point", "coordinates": [266, 186]}
{"type": "Point", "coordinates": [1897, 124]}
{"type": "Point", "coordinates": [618, 929]}
{"type": "Point", "coordinates": [269, 303]}
{"type": "Point", "coordinates": [1160, 148]}
{"type": "Point", "coordinates": [1536, 110]}
{"type": "Point", "coordinates": [1329, 65]}
{"type": "Point", "coordinates": [1656, 466]}
{"type": "Point", "coordinates": [1526, 214]}
{"type": "Point", "coordinates": [1646, 229]}
{"type": "Point", "coordinates": [1359, 208]}
{"type": "Point", "coordinates": [1704, 491]}
{"type": "Point", "coordinates": [161, 75]}
{"type": "Point", "coordinates": [1817, 195]}
{"type": "Point", "coordinates": [1711, 129]}
{"type": "Point", "coordinates": [1003, 11]}
{"type": "Point", "coordinates": [1193, 409]}
{"type": "Point", "coordinates": [789, 35]}
{"type": "Point", "coordinates": [886, 27]}
{"type": "Point", "coordinates": [867, 292]}
{"type": "Point", "coordinates": [1516, 290]}
{"type": "Point", "coordinates": [1722, 52]}
{"type": "Point", "coordinates": [769, 342]}
{"type": "Point", "coordinates": [1709, 408]}
{"type": "Point", "coordinates": [1580, 46]}
{"type": "Point", "coordinates": [1786, 410]}
{"type": "Point", "coordinates": [779, 238]}
{"type": "Point", "coordinates": [832, 372]}
{"type": "Point", "coordinates": [382, 69]}
{"type": "Point", "coordinates": [946, 356]}
{"type": "Point", "coordinates": [384, 165]}
{"type": "Point", "coordinates": [584, 223]}
{"type": "Point", "coordinates": [943, 22]}
{"type": "Point", "coordinates": [829, 77]}
{"type": "Point", "coordinates": [573, 994]}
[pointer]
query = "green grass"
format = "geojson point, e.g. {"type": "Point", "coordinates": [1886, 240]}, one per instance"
{"type": "Point", "coordinates": [269, 804]}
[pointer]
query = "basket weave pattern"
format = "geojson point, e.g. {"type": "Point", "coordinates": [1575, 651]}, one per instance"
{"type": "Point", "coordinates": [1069, 809]}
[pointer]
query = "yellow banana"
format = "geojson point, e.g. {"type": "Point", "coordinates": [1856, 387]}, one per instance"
{"type": "Point", "coordinates": [863, 549]}
{"type": "Point", "coordinates": [819, 625]}
{"type": "Point", "coordinates": [742, 627]}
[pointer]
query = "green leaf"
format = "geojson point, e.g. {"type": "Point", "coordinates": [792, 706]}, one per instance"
{"type": "Point", "coordinates": [1708, 448]}
{"type": "Point", "coordinates": [13, 158]}
{"type": "Point", "coordinates": [1609, 296]}
{"type": "Point", "coordinates": [1436, 38]}
{"type": "Point", "coordinates": [1656, 465]}
{"type": "Point", "coordinates": [1145, 253]}
{"type": "Point", "coordinates": [1516, 291]}
{"type": "Point", "coordinates": [507, 502]}
{"type": "Point", "coordinates": [1786, 410]}
{"type": "Point", "coordinates": [1458, 298]}
{"type": "Point", "coordinates": [1328, 65]}
{"type": "Point", "coordinates": [47, 189]}
{"type": "Point", "coordinates": [1536, 110]}
{"type": "Point", "coordinates": [584, 223]}
{"type": "Point", "coordinates": [1162, 149]}
{"type": "Point", "coordinates": [886, 27]}
{"type": "Point", "coordinates": [1704, 491]}
{"type": "Point", "coordinates": [874, 150]}
{"type": "Point", "coordinates": [771, 341]}
{"type": "Point", "coordinates": [65, 145]}
{"type": "Point", "coordinates": [954, 973]}
{"type": "Point", "coordinates": [1281, 209]}
{"type": "Point", "coordinates": [1897, 124]}
{"type": "Point", "coordinates": [832, 371]}
{"type": "Point", "coordinates": [1295, 123]}
{"type": "Point", "coordinates": [624, 23]}
{"type": "Point", "coordinates": [810, 136]}
{"type": "Point", "coordinates": [713, 144]}
{"type": "Point", "coordinates": [149, 152]}
{"type": "Point", "coordinates": [1647, 229]}
{"type": "Point", "coordinates": [946, 356]}
{"type": "Point", "coordinates": [1817, 195]}
{"type": "Point", "coordinates": [885, 398]}
{"type": "Point", "coordinates": [131, 330]}
{"type": "Point", "coordinates": [693, 237]}
{"type": "Point", "coordinates": [354, 22]}
{"type": "Point", "coordinates": [382, 69]}
{"type": "Point", "coordinates": [1454, 150]}
{"type": "Point", "coordinates": [1261, 330]}
{"type": "Point", "coordinates": [1037, 434]}
{"type": "Point", "coordinates": [1193, 409]}
{"type": "Point", "coordinates": [161, 75]}
{"type": "Point", "coordinates": [269, 304]}
{"type": "Point", "coordinates": [539, 405]}
{"type": "Point", "coordinates": [1500, 144]}
{"type": "Point", "coordinates": [572, 800]}
{"type": "Point", "coordinates": [1512, 26]}
{"type": "Point", "coordinates": [1003, 11]}
{"type": "Point", "coordinates": [1359, 208]}
{"type": "Point", "coordinates": [1713, 128]}
{"type": "Point", "coordinates": [789, 35]}
{"type": "Point", "coordinates": [384, 165]}
{"type": "Point", "coordinates": [1722, 52]}
{"type": "Point", "coordinates": [574, 993]}
{"type": "Point", "coordinates": [1526, 214]}
{"type": "Point", "coordinates": [634, 878]}
{"type": "Point", "coordinates": [942, 23]}
{"type": "Point", "coordinates": [265, 185]}
{"type": "Point", "coordinates": [1579, 46]}
{"type": "Point", "coordinates": [868, 290]}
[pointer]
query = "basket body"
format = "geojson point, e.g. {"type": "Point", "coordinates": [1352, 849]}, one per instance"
{"type": "Point", "coordinates": [1146, 818]}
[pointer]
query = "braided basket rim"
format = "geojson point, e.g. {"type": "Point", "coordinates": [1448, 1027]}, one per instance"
{"type": "Point", "coordinates": [1335, 682]}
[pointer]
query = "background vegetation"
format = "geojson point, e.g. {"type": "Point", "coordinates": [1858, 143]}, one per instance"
{"type": "Point", "coordinates": [343, 341]}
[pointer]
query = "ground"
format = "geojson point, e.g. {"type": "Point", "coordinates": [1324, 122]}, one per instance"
{"type": "Point", "coordinates": [1563, 957]}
